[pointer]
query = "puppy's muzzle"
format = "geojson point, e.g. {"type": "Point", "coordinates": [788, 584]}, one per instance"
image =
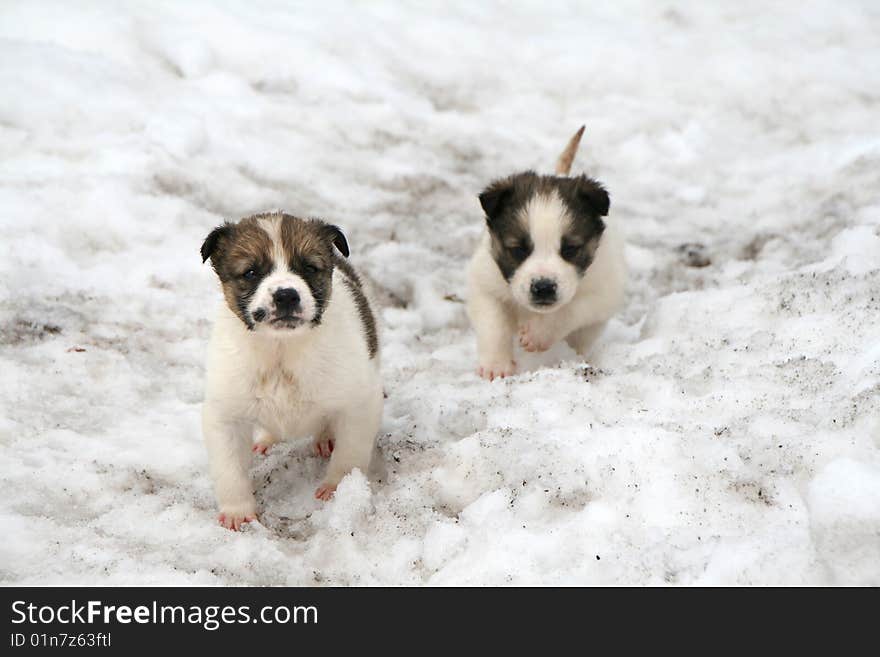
{"type": "Point", "coordinates": [543, 292]}
{"type": "Point", "coordinates": [287, 309]}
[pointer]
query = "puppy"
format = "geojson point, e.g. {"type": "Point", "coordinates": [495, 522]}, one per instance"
{"type": "Point", "coordinates": [549, 265]}
{"type": "Point", "coordinates": [294, 353]}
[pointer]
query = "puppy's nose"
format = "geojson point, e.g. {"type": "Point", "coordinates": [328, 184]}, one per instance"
{"type": "Point", "coordinates": [286, 299]}
{"type": "Point", "coordinates": [543, 291]}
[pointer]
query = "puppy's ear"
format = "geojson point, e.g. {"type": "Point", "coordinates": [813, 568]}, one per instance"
{"type": "Point", "coordinates": [593, 196]}
{"type": "Point", "coordinates": [338, 239]}
{"type": "Point", "coordinates": [209, 246]}
{"type": "Point", "coordinates": [494, 198]}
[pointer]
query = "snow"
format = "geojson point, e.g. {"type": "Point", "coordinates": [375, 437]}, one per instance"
{"type": "Point", "coordinates": [725, 431]}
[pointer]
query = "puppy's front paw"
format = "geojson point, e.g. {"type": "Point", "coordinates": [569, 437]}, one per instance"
{"type": "Point", "coordinates": [261, 448]}
{"type": "Point", "coordinates": [535, 335]}
{"type": "Point", "coordinates": [496, 369]}
{"type": "Point", "coordinates": [263, 443]}
{"type": "Point", "coordinates": [325, 492]}
{"type": "Point", "coordinates": [323, 446]}
{"type": "Point", "coordinates": [235, 520]}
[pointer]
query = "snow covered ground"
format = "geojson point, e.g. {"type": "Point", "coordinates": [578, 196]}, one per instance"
{"type": "Point", "coordinates": [727, 428]}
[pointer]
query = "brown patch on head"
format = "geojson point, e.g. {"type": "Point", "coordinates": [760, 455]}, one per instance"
{"type": "Point", "coordinates": [241, 254]}
{"type": "Point", "coordinates": [308, 246]}
{"type": "Point", "coordinates": [305, 242]}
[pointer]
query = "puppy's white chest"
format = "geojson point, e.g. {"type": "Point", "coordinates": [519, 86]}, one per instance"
{"type": "Point", "coordinates": [283, 403]}
{"type": "Point", "coordinates": [277, 382]}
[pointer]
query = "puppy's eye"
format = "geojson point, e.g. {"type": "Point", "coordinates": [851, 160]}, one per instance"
{"type": "Point", "coordinates": [250, 274]}
{"type": "Point", "coordinates": [311, 268]}
{"type": "Point", "coordinates": [569, 251]}
{"type": "Point", "coordinates": [519, 252]}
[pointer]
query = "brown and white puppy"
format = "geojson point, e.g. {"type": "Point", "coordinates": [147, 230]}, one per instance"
{"type": "Point", "coordinates": [293, 353]}
{"type": "Point", "coordinates": [549, 266]}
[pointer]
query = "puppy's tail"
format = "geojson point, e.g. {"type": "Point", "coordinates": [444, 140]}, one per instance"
{"type": "Point", "coordinates": [563, 164]}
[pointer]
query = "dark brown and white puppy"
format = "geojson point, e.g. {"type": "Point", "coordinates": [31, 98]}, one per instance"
{"type": "Point", "coordinates": [293, 353]}
{"type": "Point", "coordinates": [549, 266]}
